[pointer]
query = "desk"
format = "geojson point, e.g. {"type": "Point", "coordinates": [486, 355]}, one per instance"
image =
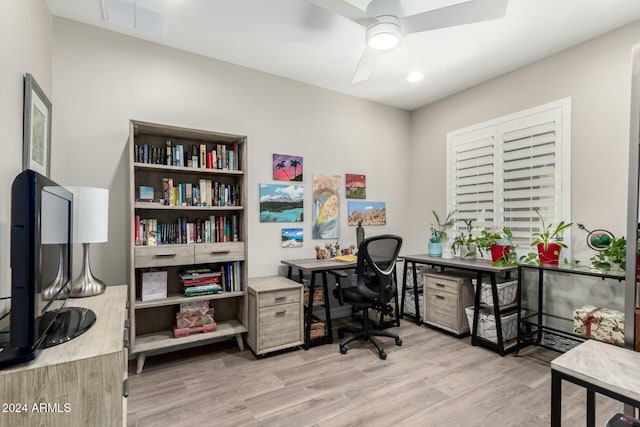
{"type": "Point", "coordinates": [480, 267]}
{"type": "Point", "coordinates": [316, 266]}
{"type": "Point", "coordinates": [600, 368]}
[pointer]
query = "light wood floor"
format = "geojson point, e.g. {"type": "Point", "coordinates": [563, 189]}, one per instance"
{"type": "Point", "coordinates": [433, 379]}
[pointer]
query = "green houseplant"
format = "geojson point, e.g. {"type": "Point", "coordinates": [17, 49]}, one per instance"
{"type": "Point", "coordinates": [613, 256]}
{"type": "Point", "coordinates": [439, 232]}
{"type": "Point", "coordinates": [499, 244]}
{"type": "Point", "coordinates": [548, 242]}
{"type": "Point", "coordinates": [465, 242]}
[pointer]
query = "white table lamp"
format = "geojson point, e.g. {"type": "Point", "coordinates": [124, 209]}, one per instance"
{"type": "Point", "coordinates": [55, 231]}
{"type": "Point", "coordinates": [90, 225]}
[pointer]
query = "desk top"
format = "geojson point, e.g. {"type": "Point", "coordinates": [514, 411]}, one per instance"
{"type": "Point", "coordinates": [605, 365]}
{"type": "Point", "coordinates": [473, 265]}
{"type": "Point", "coordinates": [312, 264]}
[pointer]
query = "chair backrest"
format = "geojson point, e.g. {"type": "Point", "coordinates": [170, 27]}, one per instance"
{"type": "Point", "coordinates": [377, 257]}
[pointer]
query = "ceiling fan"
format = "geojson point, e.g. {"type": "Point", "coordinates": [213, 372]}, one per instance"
{"type": "Point", "coordinates": [385, 24]}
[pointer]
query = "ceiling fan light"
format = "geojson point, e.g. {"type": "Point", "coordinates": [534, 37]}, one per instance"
{"type": "Point", "coordinates": [383, 36]}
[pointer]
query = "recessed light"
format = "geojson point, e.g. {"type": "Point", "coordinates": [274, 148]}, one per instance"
{"type": "Point", "coordinates": [414, 76]}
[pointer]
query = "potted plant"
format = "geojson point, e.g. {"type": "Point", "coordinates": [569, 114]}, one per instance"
{"type": "Point", "coordinates": [439, 233]}
{"type": "Point", "coordinates": [465, 242]}
{"type": "Point", "coordinates": [499, 244]}
{"type": "Point", "coordinates": [549, 242]}
{"type": "Point", "coordinates": [613, 256]}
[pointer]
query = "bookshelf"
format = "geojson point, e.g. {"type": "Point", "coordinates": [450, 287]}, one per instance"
{"type": "Point", "coordinates": [196, 217]}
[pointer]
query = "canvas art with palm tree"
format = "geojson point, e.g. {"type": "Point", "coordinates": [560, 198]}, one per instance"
{"type": "Point", "coordinates": [287, 168]}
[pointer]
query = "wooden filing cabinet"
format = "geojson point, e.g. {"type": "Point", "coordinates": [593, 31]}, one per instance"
{"type": "Point", "coordinates": [275, 314]}
{"type": "Point", "coordinates": [445, 297]}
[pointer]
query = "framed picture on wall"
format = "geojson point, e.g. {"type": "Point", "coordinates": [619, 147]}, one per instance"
{"type": "Point", "coordinates": [36, 152]}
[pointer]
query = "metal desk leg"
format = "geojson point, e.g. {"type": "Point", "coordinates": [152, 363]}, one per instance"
{"type": "Point", "coordinates": [397, 315]}
{"type": "Point", "coordinates": [415, 294]}
{"type": "Point", "coordinates": [327, 307]}
{"type": "Point", "coordinates": [540, 299]}
{"type": "Point", "coordinates": [289, 271]}
{"type": "Point", "coordinates": [496, 313]}
{"type": "Point", "coordinates": [307, 329]}
{"type": "Point", "coordinates": [404, 288]}
{"type": "Point", "coordinates": [476, 310]}
{"type": "Point", "coordinates": [556, 399]}
{"type": "Point", "coordinates": [591, 408]}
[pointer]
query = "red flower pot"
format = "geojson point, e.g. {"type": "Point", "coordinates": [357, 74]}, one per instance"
{"type": "Point", "coordinates": [499, 252]}
{"type": "Point", "coordinates": [551, 256]}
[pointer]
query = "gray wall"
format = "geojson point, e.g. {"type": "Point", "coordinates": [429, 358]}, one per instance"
{"type": "Point", "coordinates": [597, 77]}
{"type": "Point", "coordinates": [103, 79]}
{"type": "Point", "coordinates": [25, 43]}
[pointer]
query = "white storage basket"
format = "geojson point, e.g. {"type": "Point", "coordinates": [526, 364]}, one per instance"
{"type": "Point", "coordinates": [506, 292]}
{"type": "Point", "coordinates": [487, 325]}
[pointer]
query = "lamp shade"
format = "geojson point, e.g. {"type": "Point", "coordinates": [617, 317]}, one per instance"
{"type": "Point", "coordinates": [90, 214]}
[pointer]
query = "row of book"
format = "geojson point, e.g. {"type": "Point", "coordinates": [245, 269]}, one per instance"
{"type": "Point", "coordinates": [215, 229]}
{"type": "Point", "coordinates": [205, 279]}
{"type": "Point", "coordinates": [204, 193]}
{"type": "Point", "coordinates": [222, 156]}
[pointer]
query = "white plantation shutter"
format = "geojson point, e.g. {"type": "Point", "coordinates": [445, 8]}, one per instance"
{"type": "Point", "coordinates": [472, 178]}
{"type": "Point", "coordinates": [502, 171]}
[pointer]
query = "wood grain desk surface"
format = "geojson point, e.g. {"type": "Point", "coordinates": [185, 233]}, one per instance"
{"type": "Point", "coordinates": [605, 365]}
{"type": "Point", "coordinates": [312, 264]}
{"type": "Point", "coordinates": [477, 265]}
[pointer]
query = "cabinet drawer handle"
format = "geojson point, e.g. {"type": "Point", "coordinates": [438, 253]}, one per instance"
{"type": "Point", "coordinates": [165, 255]}
{"type": "Point", "coordinates": [281, 313]}
{"type": "Point", "coordinates": [280, 298]}
{"type": "Point", "coordinates": [220, 252]}
{"type": "Point", "coordinates": [440, 285]}
{"type": "Point", "coordinates": [439, 297]}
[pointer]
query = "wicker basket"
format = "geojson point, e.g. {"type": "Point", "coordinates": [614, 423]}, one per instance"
{"type": "Point", "coordinates": [506, 292]}
{"type": "Point", "coordinates": [487, 325]}
{"type": "Point", "coordinates": [318, 329]}
{"type": "Point", "coordinates": [317, 296]}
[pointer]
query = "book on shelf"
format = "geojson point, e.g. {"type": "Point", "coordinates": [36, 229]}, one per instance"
{"type": "Point", "coordinates": [203, 156]}
{"type": "Point", "coordinates": [169, 152]}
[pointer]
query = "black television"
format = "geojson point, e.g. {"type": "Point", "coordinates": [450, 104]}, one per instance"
{"type": "Point", "coordinates": [41, 260]}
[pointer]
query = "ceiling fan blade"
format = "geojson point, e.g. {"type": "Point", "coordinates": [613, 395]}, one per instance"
{"type": "Point", "coordinates": [365, 66]}
{"type": "Point", "coordinates": [346, 10]}
{"type": "Point", "coordinates": [457, 14]}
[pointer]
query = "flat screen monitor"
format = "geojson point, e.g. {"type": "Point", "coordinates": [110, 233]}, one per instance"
{"type": "Point", "coordinates": [41, 261]}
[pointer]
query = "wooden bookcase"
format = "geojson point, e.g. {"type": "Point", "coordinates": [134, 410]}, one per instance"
{"type": "Point", "coordinates": [152, 320]}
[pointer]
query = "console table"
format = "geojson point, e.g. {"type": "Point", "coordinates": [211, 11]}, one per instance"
{"type": "Point", "coordinates": [542, 321]}
{"type": "Point", "coordinates": [480, 267]}
{"type": "Point", "coordinates": [600, 368]}
{"type": "Point", "coordinates": [78, 383]}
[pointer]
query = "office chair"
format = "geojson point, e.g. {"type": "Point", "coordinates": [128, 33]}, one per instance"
{"type": "Point", "coordinates": [374, 288]}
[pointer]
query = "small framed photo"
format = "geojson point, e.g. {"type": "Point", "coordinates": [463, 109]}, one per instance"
{"type": "Point", "coordinates": [36, 152]}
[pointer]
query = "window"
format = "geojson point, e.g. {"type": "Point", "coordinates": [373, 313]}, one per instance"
{"type": "Point", "coordinates": [502, 171]}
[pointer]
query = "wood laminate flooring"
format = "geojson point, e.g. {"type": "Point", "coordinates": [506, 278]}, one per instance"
{"type": "Point", "coordinates": [433, 379]}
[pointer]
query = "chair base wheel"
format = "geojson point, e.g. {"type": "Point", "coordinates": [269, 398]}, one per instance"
{"type": "Point", "coordinates": [383, 355]}
{"type": "Point", "coordinates": [398, 341]}
{"type": "Point", "coordinates": [343, 350]}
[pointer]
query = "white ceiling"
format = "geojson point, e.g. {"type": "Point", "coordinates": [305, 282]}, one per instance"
{"type": "Point", "coordinates": [300, 41]}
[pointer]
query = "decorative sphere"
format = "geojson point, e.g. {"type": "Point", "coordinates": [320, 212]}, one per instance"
{"type": "Point", "coordinates": [600, 240]}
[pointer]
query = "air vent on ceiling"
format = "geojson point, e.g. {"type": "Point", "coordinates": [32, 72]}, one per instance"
{"type": "Point", "coordinates": [130, 14]}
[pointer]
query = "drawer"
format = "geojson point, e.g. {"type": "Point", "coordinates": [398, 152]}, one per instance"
{"type": "Point", "coordinates": [281, 296]}
{"type": "Point", "coordinates": [218, 252]}
{"type": "Point", "coordinates": [441, 283]}
{"type": "Point", "coordinates": [441, 308]}
{"type": "Point", "coordinates": [280, 325]}
{"type": "Point", "coordinates": [161, 256]}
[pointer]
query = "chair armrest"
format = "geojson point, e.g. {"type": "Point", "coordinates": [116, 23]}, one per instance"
{"type": "Point", "coordinates": [339, 274]}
